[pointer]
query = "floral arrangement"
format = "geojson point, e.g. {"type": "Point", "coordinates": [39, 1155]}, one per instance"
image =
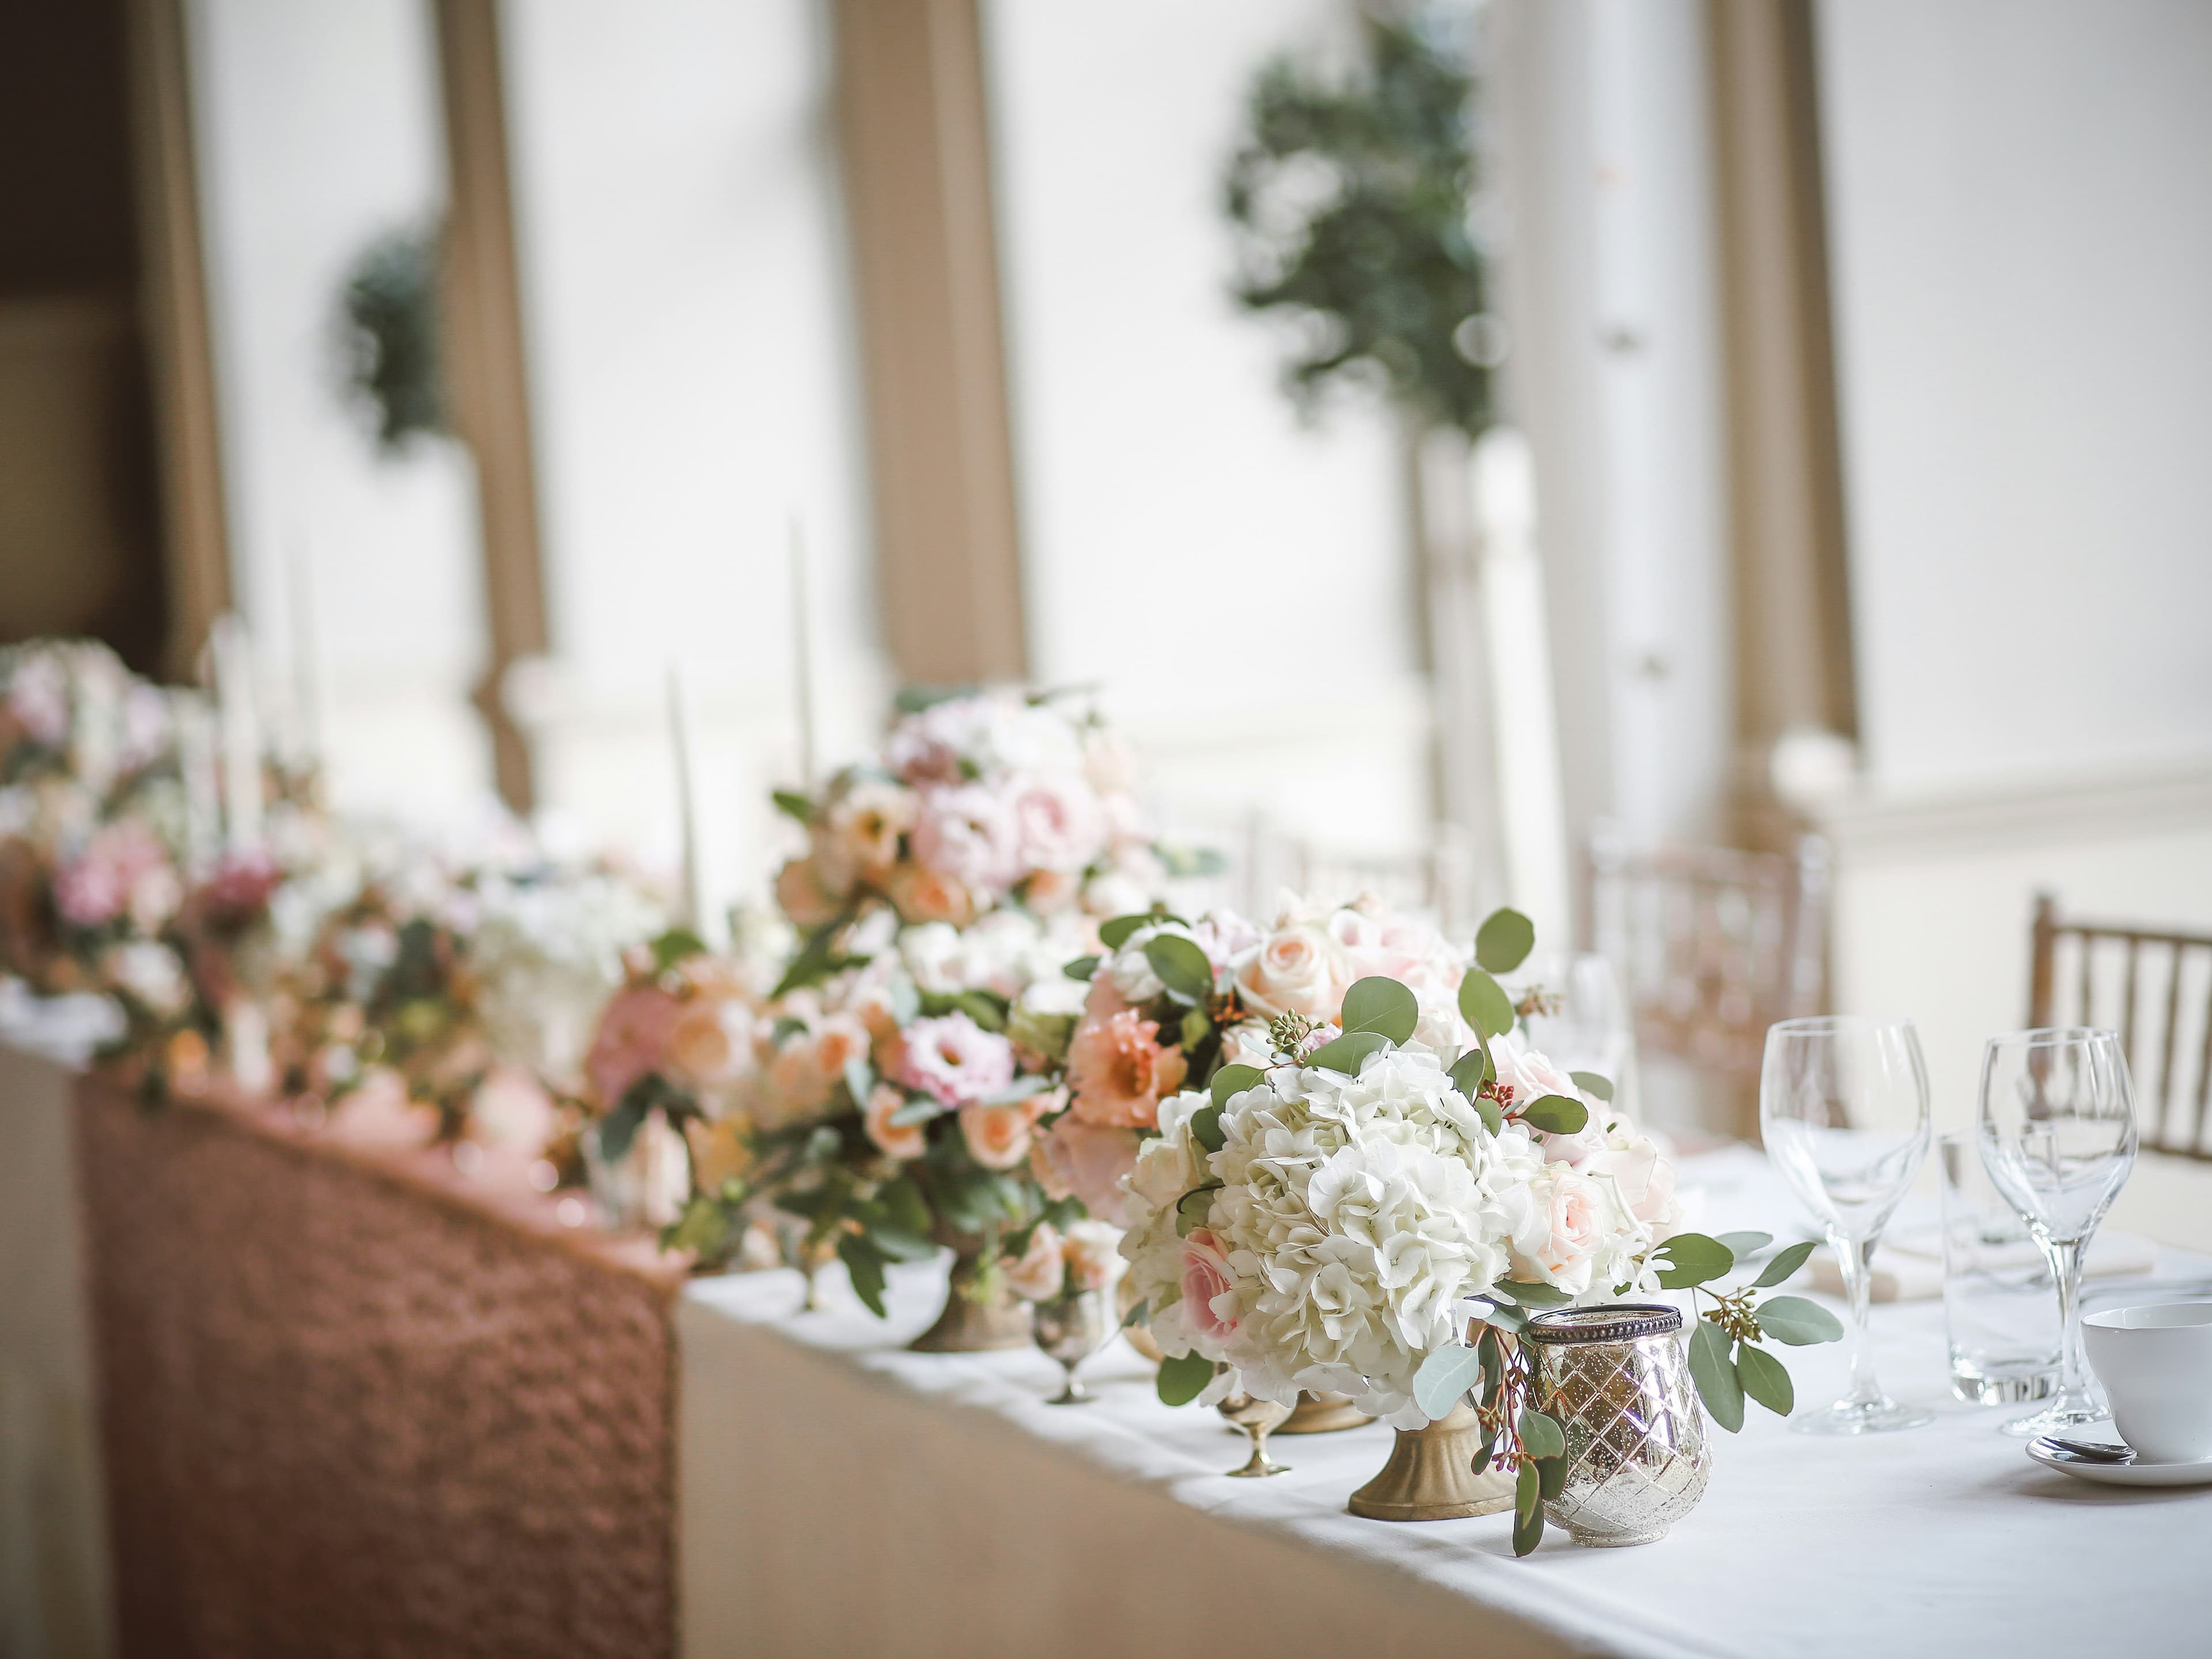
{"type": "Point", "coordinates": [1053, 1262]}
{"type": "Point", "coordinates": [1332, 1214]}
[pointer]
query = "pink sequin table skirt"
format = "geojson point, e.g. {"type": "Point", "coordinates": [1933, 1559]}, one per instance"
{"type": "Point", "coordinates": [353, 1403]}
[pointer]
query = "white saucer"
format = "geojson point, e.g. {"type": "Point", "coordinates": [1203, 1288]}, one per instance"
{"type": "Point", "coordinates": [2196, 1472]}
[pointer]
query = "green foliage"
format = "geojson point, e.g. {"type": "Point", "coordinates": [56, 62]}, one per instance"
{"type": "Point", "coordinates": [1483, 1005]}
{"type": "Point", "coordinates": [793, 805]}
{"type": "Point", "coordinates": [1081, 969]}
{"type": "Point", "coordinates": [1382, 1005]}
{"type": "Point", "coordinates": [1715, 1375]}
{"type": "Point", "coordinates": [1765, 1379]}
{"type": "Point", "coordinates": [1800, 1323]}
{"type": "Point", "coordinates": [1444, 1378]}
{"type": "Point", "coordinates": [1350, 202]}
{"type": "Point", "coordinates": [1116, 933]}
{"type": "Point", "coordinates": [1206, 1128]}
{"type": "Point", "coordinates": [1183, 1379]}
{"type": "Point", "coordinates": [1348, 1053]}
{"type": "Point", "coordinates": [1503, 941]}
{"type": "Point", "coordinates": [1234, 1080]}
{"type": "Point", "coordinates": [865, 1262]}
{"type": "Point", "coordinates": [1744, 1243]}
{"type": "Point", "coordinates": [1594, 1083]}
{"type": "Point", "coordinates": [1785, 1263]}
{"type": "Point", "coordinates": [1182, 966]}
{"type": "Point", "coordinates": [1541, 1436]}
{"type": "Point", "coordinates": [1528, 1508]}
{"type": "Point", "coordinates": [676, 945]}
{"type": "Point", "coordinates": [1556, 1114]}
{"type": "Point", "coordinates": [1692, 1258]}
{"type": "Point", "coordinates": [391, 306]}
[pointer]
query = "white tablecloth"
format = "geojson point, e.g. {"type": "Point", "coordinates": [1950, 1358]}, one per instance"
{"type": "Point", "coordinates": [54, 1595]}
{"type": "Point", "coordinates": [839, 1496]}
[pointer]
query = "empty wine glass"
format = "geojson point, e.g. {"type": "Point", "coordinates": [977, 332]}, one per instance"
{"type": "Point", "coordinates": [1843, 1106]}
{"type": "Point", "coordinates": [2057, 1130]}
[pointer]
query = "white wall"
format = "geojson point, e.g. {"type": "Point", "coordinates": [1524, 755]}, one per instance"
{"type": "Point", "coordinates": [1237, 581]}
{"type": "Point", "coordinates": [2020, 195]}
{"type": "Point", "coordinates": [2021, 221]}
{"type": "Point", "coordinates": [318, 132]}
{"type": "Point", "coordinates": [683, 295]}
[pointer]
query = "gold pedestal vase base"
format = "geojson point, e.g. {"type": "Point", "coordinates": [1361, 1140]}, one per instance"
{"type": "Point", "coordinates": [1323, 1413]}
{"type": "Point", "coordinates": [1430, 1475]}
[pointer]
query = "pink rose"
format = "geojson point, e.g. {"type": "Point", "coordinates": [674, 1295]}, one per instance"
{"type": "Point", "coordinates": [1533, 1075]}
{"type": "Point", "coordinates": [1120, 1074]}
{"type": "Point", "coordinates": [1075, 1160]}
{"type": "Point", "coordinates": [1561, 1238]}
{"type": "Point", "coordinates": [998, 1137]}
{"type": "Point", "coordinates": [954, 1061]}
{"type": "Point", "coordinates": [1205, 1281]}
{"type": "Point", "coordinates": [1040, 1273]}
{"type": "Point", "coordinates": [1060, 824]}
{"type": "Point", "coordinates": [122, 868]}
{"type": "Point", "coordinates": [631, 1041]}
{"type": "Point", "coordinates": [971, 835]}
{"type": "Point", "coordinates": [904, 1141]}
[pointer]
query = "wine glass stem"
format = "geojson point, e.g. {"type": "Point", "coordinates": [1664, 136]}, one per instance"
{"type": "Point", "coordinates": [1855, 1259]}
{"type": "Point", "coordinates": [2065, 1258]}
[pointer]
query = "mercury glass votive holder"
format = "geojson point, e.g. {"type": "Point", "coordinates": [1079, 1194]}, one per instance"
{"type": "Point", "coordinates": [1619, 1383]}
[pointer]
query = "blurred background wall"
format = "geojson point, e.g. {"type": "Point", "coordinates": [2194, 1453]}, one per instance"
{"type": "Point", "coordinates": [1851, 377]}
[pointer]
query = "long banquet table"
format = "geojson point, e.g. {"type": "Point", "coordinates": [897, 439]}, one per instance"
{"type": "Point", "coordinates": [530, 1443]}
{"type": "Point", "coordinates": [839, 1496]}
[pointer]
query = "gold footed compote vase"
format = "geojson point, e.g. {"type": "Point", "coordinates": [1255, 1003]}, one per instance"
{"type": "Point", "coordinates": [981, 1315]}
{"type": "Point", "coordinates": [1323, 1413]}
{"type": "Point", "coordinates": [1259, 1419]}
{"type": "Point", "coordinates": [1071, 1328]}
{"type": "Point", "coordinates": [1430, 1476]}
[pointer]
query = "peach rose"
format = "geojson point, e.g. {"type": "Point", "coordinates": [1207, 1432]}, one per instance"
{"type": "Point", "coordinates": [1092, 1251]}
{"type": "Point", "coordinates": [794, 1083]}
{"type": "Point", "coordinates": [1120, 1074]}
{"type": "Point", "coordinates": [998, 1137]}
{"type": "Point", "coordinates": [1075, 1160]}
{"type": "Point", "coordinates": [802, 895]}
{"type": "Point", "coordinates": [1205, 1277]}
{"type": "Point", "coordinates": [1040, 1272]}
{"type": "Point", "coordinates": [904, 1141]}
{"type": "Point", "coordinates": [1299, 969]}
{"type": "Point", "coordinates": [721, 1152]}
{"type": "Point", "coordinates": [709, 1041]}
{"type": "Point", "coordinates": [842, 1039]}
{"type": "Point", "coordinates": [924, 894]}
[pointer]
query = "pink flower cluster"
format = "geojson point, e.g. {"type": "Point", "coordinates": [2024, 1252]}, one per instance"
{"type": "Point", "coordinates": [122, 872]}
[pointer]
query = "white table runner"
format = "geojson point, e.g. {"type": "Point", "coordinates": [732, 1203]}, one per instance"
{"type": "Point", "coordinates": [840, 1496]}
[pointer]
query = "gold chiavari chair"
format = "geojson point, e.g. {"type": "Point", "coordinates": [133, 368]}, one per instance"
{"type": "Point", "coordinates": [1712, 945]}
{"type": "Point", "coordinates": [2158, 982]}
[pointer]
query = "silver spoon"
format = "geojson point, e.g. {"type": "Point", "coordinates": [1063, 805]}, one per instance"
{"type": "Point", "coordinates": [2086, 1451]}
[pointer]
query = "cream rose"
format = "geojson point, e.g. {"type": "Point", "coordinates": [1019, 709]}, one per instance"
{"type": "Point", "coordinates": [1041, 1273]}
{"type": "Point", "coordinates": [1092, 1250]}
{"type": "Point", "coordinates": [1561, 1236]}
{"type": "Point", "coordinates": [1299, 969]}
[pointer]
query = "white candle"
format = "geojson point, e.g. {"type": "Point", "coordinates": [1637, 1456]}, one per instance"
{"type": "Point", "coordinates": [802, 657]}
{"type": "Point", "coordinates": [196, 760]}
{"type": "Point", "coordinates": [687, 800]}
{"type": "Point", "coordinates": [240, 733]}
{"type": "Point", "coordinates": [306, 679]}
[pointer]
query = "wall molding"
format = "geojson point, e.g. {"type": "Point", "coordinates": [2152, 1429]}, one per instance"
{"type": "Point", "coordinates": [2073, 805]}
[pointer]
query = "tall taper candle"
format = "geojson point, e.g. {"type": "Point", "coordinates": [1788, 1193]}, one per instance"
{"type": "Point", "coordinates": [240, 733]}
{"type": "Point", "coordinates": [802, 656]}
{"type": "Point", "coordinates": [687, 800]}
{"type": "Point", "coordinates": [307, 659]}
{"type": "Point", "coordinates": [195, 759]}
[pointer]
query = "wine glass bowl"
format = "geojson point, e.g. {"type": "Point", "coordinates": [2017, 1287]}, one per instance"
{"type": "Point", "coordinates": [2057, 1128]}
{"type": "Point", "coordinates": [1843, 1109]}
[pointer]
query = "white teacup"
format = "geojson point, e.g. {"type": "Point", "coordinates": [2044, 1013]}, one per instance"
{"type": "Point", "coordinates": [2155, 1362]}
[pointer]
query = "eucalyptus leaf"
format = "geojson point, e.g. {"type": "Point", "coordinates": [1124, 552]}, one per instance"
{"type": "Point", "coordinates": [904, 1205]}
{"type": "Point", "coordinates": [1558, 1115]}
{"type": "Point", "coordinates": [1551, 1476]}
{"type": "Point", "coordinates": [1081, 969]}
{"type": "Point", "coordinates": [1181, 965]}
{"type": "Point", "coordinates": [1532, 1293]}
{"type": "Point", "coordinates": [1506, 1319]}
{"type": "Point", "coordinates": [1196, 1028]}
{"type": "Point", "coordinates": [1503, 941]}
{"type": "Point", "coordinates": [793, 805]}
{"type": "Point", "coordinates": [1594, 1083]}
{"type": "Point", "coordinates": [1348, 1053]}
{"type": "Point", "coordinates": [1527, 1493]}
{"type": "Point", "coordinates": [918, 1109]}
{"type": "Point", "coordinates": [860, 1081]}
{"type": "Point", "coordinates": [866, 1265]}
{"type": "Point", "coordinates": [1183, 1379]}
{"type": "Point", "coordinates": [1493, 1365]}
{"type": "Point", "coordinates": [1116, 933]}
{"type": "Point", "coordinates": [1785, 1263]}
{"type": "Point", "coordinates": [1483, 1005]}
{"type": "Point", "coordinates": [1140, 1312]}
{"type": "Point", "coordinates": [1443, 1380]}
{"type": "Point", "coordinates": [1381, 1004]}
{"type": "Point", "coordinates": [675, 946]}
{"type": "Point", "coordinates": [1717, 1385]}
{"type": "Point", "coordinates": [1528, 1530]}
{"type": "Point", "coordinates": [1234, 1080]}
{"type": "Point", "coordinates": [1541, 1435]}
{"type": "Point", "coordinates": [1800, 1323]}
{"type": "Point", "coordinates": [1193, 1208]}
{"type": "Point", "coordinates": [1469, 1072]}
{"type": "Point", "coordinates": [1206, 1128]}
{"type": "Point", "coordinates": [1482, 1453]}
{"type": "Point", "coordinates": [1765, 1379]}
{"type": "Point", "coordinates": [1692, 1258]}
{"type": "Point", "coordinates": [618, 1129]}
{"type": "Point", "coordinates": [986, 1009]}
{"type": "Point", "coordinates": [1740, 1245]}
